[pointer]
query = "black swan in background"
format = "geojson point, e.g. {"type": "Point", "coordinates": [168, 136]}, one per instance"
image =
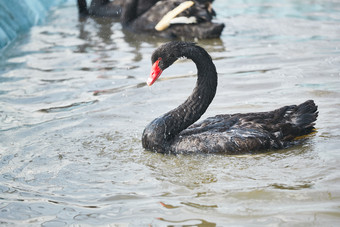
{"type": "Point", "coordinates": [194, 22]}
{"type": "Point", "coordinates": [113, 9]}
{"type": "Point", "coordinates": [174, 132]}
{"type": "Point", "coordinates": [101, 8]}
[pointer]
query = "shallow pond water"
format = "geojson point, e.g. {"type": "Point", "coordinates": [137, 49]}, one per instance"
{"type": "Point", "coordinates": [73, 105]}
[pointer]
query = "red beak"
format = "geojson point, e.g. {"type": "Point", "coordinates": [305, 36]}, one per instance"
{"type": "Point", "coordinates": [155, 73]}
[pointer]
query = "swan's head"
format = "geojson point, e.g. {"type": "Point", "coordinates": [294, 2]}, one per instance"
{"type": "Point", "coordinates": [164, 56]}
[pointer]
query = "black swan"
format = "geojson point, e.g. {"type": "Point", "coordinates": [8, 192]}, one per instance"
{"type": "Point", "coordinates": [174, 132]}
{"type": "Point", "coordinates": [113, 9]}
{"type": "Point", "coordinates": [172, 19]}
{"type": "Point", "coordinates": [101, 8]}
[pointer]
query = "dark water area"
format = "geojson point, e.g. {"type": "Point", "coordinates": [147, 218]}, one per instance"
{"type": "Point", "coordinates": [74, 103]}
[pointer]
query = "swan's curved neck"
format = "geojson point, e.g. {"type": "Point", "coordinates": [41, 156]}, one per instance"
{"type": "Point", "coordinates": [82, 7]}
{"type": "Point", "coordinates": [163, 129]}
{"type": "Point", "coordinates": [204, 92]}
{"type": "Point", "coordinates": [129, 12]}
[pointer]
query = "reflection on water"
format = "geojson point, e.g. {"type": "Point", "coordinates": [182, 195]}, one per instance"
{"type": "Point", "coordinates": [74, 104]}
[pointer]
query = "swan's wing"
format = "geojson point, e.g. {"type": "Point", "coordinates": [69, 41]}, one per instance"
{"type": "Point", "coordinates": [285, 123]}
{"type": "Point", "coordinates": [229, 134]}
{"type": "Point", "coordinates": [247, 133]}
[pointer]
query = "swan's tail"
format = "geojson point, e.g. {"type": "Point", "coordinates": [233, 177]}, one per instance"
{"type": "Point", "coordinates": [209, 30]}
{"type": "Point", "coordinates": [301, 118]}
{"type": "Point", "coordinates": [204, 30]}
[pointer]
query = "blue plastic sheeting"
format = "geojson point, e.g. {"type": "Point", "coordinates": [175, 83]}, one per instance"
{"type": "Point", "coordinates": [19, 15]}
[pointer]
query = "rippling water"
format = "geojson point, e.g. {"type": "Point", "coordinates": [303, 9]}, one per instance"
{"type": "Point", "coordinates": [73, 105]}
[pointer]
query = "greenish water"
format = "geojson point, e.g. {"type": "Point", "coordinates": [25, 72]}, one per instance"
{"type": "Point", "coordinates": [73, 105]}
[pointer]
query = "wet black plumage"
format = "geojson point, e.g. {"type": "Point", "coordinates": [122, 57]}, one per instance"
{"type": "Point", "coordinates": [174, 132]}
{"type": "Point", "coordinates": [146, 22]}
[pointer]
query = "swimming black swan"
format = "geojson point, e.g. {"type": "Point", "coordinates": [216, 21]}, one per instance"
{"type": "Point", "coordinates": [172, 19]}
{"type": "Point", "coordinates": [174, 133]}
{"type": "Point", "coordinates": [101, 8]}
{"type": "Point", "coordinates": [113, 9]}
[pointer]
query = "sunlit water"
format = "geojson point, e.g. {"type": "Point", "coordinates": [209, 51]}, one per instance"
{"type": "Point", "coordinates": [73, 105]}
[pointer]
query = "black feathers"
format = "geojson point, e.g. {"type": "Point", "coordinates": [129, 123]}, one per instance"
{"type": "Point", "coordinates": [174, 132]}
{"type": "Point", "coordinates": [201, 12]}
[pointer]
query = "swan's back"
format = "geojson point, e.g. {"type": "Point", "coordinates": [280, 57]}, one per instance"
{"type": "Point", "coordinates": [247, 133]}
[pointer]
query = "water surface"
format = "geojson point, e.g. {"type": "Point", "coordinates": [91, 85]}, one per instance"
{"type": "Point", "coordinates": [73, 105]}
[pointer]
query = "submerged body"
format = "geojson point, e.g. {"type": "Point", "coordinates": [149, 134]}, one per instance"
{"type": "Point", "coordinates": [174, 132]}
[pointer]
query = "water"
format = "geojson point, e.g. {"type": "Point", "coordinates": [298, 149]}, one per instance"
{"type": "Point", "coordinates": [74, 104]}
{"type": "Point", "coordinates": [19, 15]}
